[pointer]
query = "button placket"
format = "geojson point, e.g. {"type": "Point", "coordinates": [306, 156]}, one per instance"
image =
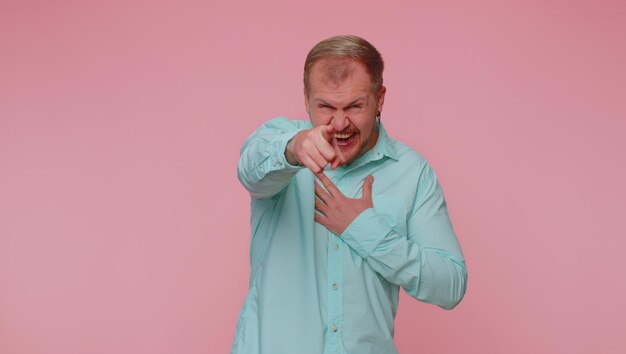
{"type": "Point", "coordinates": [335, 292]}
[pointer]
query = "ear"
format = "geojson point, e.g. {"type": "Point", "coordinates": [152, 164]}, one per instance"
{"type": "Point", "coordinates": [306, 102]}
{"type": "Point", "coordinates": [381, 98]}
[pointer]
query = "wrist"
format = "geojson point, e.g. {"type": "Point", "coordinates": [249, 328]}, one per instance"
{"type": "Point", "coordinates": [290, 156]}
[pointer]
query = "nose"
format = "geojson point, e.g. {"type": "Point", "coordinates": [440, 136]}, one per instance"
{"type": "Point", "coordinates": [340, 121]}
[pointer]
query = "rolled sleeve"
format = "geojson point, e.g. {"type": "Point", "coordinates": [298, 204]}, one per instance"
{"type": "Point", "coordinates": [263, 168]}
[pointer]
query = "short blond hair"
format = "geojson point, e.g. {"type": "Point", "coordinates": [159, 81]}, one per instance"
{"type": "Point", "coordinates": [340, 48]}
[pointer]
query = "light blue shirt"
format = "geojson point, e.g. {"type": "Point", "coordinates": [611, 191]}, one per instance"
{"type": "Point", "coordinates": [314, 292]}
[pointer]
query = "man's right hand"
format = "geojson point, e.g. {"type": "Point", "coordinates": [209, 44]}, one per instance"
{"type": "Point", "coordinates": [313, 149]}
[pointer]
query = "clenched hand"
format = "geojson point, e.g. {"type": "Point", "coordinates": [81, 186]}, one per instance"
{"type": "Point", "coordinates": [313, 149]}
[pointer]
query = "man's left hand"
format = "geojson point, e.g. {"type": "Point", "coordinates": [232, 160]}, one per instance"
{"type": "Point", "coordinates": [337, 210]}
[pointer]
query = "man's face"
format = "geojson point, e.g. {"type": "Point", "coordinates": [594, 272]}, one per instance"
{"type": "Point", "coordinates": [344, 98]}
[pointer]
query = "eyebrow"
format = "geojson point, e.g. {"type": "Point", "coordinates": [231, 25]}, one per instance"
{"type": "Point", "coordinates": [320, 100]}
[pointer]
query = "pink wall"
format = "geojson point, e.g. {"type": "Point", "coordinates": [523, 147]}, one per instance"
{"type": "Point", "coordinates": [123, 228]}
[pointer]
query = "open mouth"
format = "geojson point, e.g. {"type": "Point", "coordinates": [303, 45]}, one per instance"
{"type": "Point", "coordinates": [343, 138]}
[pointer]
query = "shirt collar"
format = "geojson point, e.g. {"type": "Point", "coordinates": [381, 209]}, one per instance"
{"type": "Point", "coordinates": [385, 147]}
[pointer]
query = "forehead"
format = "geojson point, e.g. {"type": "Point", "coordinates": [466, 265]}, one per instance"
{"type": "Point", "coordinates": [339, 76]}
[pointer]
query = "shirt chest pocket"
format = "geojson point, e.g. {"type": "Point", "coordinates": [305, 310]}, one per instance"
{"type": "Point", "coordinates": [394, 209]}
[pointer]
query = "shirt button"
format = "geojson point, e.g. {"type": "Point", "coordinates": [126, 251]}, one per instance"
{"type": "Point", "coordinates": [335, 286]}
{"type": "Point", "coordinates": [333, 328]}
{"type": "Point", "coordinates": [336, 246]}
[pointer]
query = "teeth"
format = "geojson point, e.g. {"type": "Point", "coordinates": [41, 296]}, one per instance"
{"type": "Point", "coordinates": [342, 135]}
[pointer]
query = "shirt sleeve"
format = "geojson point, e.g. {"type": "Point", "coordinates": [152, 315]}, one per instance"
{"type": "Point", "coordinates": [427, 262]}
{"type": "Point", "coordinates": [263, 169]}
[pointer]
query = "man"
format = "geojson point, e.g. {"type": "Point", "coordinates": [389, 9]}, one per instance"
{"type": "Point", "coordinates": [342, 217]}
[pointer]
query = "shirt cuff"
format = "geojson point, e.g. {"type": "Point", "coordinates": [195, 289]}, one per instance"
{"type": "Point", "coordinates": [276, 159]}
{"type": "Point", "coordinates": [366, 232]}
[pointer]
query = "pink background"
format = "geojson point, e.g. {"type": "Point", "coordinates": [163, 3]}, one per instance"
{"type": "Point", "coordinates": [123, 228]}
